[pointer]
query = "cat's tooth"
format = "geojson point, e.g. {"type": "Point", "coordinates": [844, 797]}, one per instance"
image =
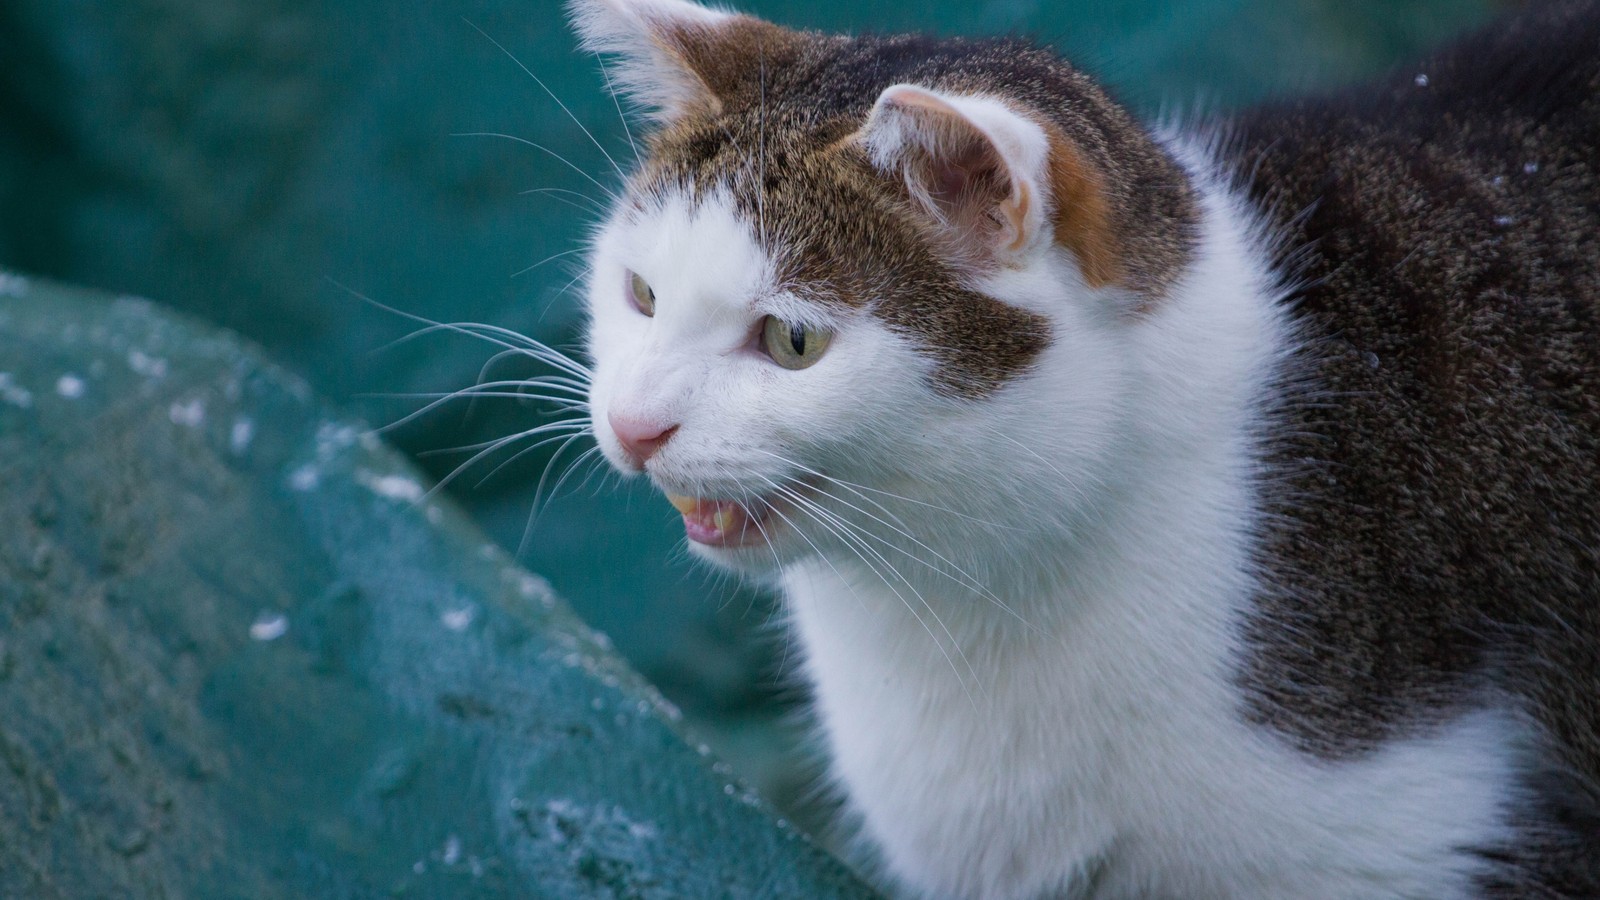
{"type": "Point", "coordinates": [724, 517]}
{"type": "Point", "coordinates": [685, 505]}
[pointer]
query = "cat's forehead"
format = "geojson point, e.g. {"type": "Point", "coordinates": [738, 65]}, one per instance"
{"type": "Point", "coordinates": [834, 231]}
{"type": "Point", "coordinates": [824, 214]}
{"type": "Point", "coordinates": [696, 249]}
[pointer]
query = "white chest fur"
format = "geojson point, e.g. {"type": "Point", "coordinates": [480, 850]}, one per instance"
{"type": "Point", "coordinates": [1101, 745]}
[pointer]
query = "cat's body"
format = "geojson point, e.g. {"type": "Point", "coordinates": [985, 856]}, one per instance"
{"type": "Point", "coordinates": [1159, 517]}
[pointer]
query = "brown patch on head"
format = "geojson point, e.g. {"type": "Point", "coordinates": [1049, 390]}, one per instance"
{"type": "Point", "coordinates": [723, 57]}
{"type": "Point", "coordinates": [844, 232]}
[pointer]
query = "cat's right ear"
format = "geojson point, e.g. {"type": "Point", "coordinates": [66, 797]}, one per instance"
{"type": "Point", "coordinates": [675, 58]}
{"type": "Point", "coordinates": [998, 184]}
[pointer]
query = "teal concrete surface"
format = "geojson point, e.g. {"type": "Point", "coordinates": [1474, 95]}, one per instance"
{"type": "Point", "coordinates": [244, 653]}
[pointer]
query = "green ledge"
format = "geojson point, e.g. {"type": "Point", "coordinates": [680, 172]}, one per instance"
{"type": "Point", "coordinates": [244, 654]}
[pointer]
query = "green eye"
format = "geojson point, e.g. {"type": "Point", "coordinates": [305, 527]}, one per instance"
{"type": "Point", "coordinates": [644, 299]}
{"type": "Point", "coordinates": [793, 346]}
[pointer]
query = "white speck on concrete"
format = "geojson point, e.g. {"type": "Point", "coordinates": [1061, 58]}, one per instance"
{"type": "Point", "coordinates": [458, 619]}
{"type": "Point", "coordinates": [533, 586]}
{"type": "Point", "coordinates": [333, 437]}
{"type": "Point", "coordinates": [1503, 221]}
{"type": "Point", "coordinates": [13, 393]}
{"type": "Point", "coordinates": [1421, 79]}
{"type": "Point", "coordinates": [240, 436]}
{"type": "Point", "coordinates": [148, 366]}
{"type": "Point", "coordinates": [435, 515]}
{"type": "Point", "coordinates": [304, 478]}
{"type": "Point", "coordinates": [69, 386]}
{"type": "Point", "coordinates": [394, 487]}
{"type": "Point", "coordinates": [452, 850]}
{"type": "Point", "coordinates": [269, 626]}
{"type": "Point", "coordinates": [1530, 167]}
{"type": "Point", "coordinates": [419, 867]}
{"type": "Point", "coordinates": [191, 413]}
{"type": "Point", "coordinates": [13, 285]}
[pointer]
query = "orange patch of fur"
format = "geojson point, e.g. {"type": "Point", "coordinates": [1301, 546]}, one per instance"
{"type": "Point", "coordinates": [1082, 217]}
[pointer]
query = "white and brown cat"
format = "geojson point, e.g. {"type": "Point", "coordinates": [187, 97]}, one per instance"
{"type": "Point", "coordinates": [1160, 514]}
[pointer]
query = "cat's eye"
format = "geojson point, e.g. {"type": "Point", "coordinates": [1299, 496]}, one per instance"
{"type": "Point", "coordinates": [793, 346]}
{"type": "Point", "coordinates": [644, 299]}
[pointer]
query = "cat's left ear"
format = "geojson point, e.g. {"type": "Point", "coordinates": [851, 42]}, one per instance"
{"type": "Point", "coordinates": [677, 58]}
{"type": "Point", "coordinates": [998, 185]}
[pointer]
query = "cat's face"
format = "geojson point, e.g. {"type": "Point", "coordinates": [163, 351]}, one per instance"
{"type": "Point", "coordinates": [833, 300]}
{"type": "Point", "coordinates": [770, 395]}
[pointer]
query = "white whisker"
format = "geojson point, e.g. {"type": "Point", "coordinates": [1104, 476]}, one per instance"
{"type": "Point", "coordinates": [852, 541]}
{"type": "Point", "coordinates": [551, 258]}
{"type": "Point", "coordinates": [618, 104]}
{"type": "Point", "coordinates": [540, 82]}
{"type": "Point", "coordinates": [537, 146]}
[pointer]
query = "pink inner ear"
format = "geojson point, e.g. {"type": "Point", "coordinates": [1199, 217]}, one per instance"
{"type": "Point", "coordinates": [948, 182]}
{"type": "Point", "coordinates": [972, 173]}
{"type": "Point", "coordinates": [969, 184]}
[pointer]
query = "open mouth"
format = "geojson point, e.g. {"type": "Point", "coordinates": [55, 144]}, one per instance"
{"type": "Point", "coordinates": [722, 523]}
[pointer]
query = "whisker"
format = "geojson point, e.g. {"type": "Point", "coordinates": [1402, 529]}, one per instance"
{"type": "Point", "coordinates": [529, 449]}
{"type": "Point", "coordinates": [575, 393]}
{"type": "Point", "coordinates": [537, 80]}
{"type": "Point", "coordinates": [563, 195]}
{"type": "Point", "coordinates": [761, 136]}
{"type": "Point", "coordinates": [551, 258]}
{"type": "Point", "coordinates": [581, 384]}
{"type": "Point", "coordinates": [966, 579]}
{"type": "Point", "coordinates": [495, 443]}
{"type": "Point", "coordinates": [537, 146]}
{"type": "Point", "coordinates": [852, 541]}
{"type": "Point", "coordinates": [489, 448]}
{"type": "Point", "coordinates": [618, 104]}
{"type": "Point", "coordinates": [858, 488]}
{"type": "Point", "coordinates": [500, 337]}
{"type": "Point", "coordinates": [540, 499]}
{"type": "Point", "coordinates": [565, 402]}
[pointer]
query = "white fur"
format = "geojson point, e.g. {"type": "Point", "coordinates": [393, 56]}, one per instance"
{"type": "Point", "coordinates": [1032, 681]}
{"type": "Point", "coordinates": [635, 31]}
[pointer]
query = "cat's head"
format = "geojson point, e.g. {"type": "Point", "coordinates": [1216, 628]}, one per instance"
{"type": "Point", "coordinates": [866, 285]}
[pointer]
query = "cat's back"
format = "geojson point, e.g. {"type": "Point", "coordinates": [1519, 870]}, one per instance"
{"type": "Point", "coordinates": [1439, 463]}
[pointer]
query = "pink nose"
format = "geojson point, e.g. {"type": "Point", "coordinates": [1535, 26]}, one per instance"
{"type": "Point", "coordinates": [640, 440]}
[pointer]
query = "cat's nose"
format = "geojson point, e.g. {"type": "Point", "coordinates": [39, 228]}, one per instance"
{"type": "Point", "coordinates": [640, 440]}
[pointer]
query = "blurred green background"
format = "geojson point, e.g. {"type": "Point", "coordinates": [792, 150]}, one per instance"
{"type": "Point", "coordinates": [255, 162]}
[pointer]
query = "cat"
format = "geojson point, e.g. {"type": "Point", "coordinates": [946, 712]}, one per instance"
{"type": "Point", "coordinates": [1160, 512]}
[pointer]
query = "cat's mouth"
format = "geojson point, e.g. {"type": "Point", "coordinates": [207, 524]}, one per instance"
{"type": "Point", "coordinates": [721, 523]}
